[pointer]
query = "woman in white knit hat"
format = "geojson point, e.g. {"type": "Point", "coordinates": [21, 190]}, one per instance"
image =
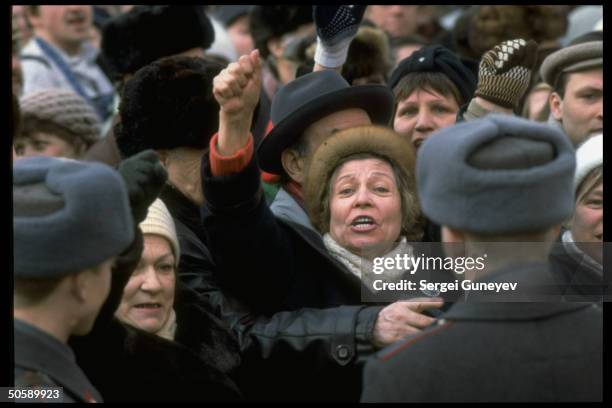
{"type": "Point", "coordinates": [148, 297]}
{"type": "Point", "coordinates": [578, 261]}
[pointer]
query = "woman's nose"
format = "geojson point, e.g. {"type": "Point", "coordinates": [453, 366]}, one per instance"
{"type": "Point", "coordinates": [150, 282]}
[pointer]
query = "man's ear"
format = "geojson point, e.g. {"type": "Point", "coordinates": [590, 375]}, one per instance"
{"type": "Point", "coordinates": [556, 105]}
{"type": "Point", "coordinates": [294, 164]}
{"type": "Point", "coordinates": [79, 285]}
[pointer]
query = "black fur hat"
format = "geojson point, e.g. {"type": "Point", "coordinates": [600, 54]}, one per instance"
{"type": "Point", "coordinates": [146, 33]}
{"type": "Point", "coordinates": [168, 104]}
{"type": "Point", "coordinates": [268, 22]}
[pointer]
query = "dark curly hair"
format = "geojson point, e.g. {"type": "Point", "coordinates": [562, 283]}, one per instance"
{"type": "Point", "coordinates": [168, 104]}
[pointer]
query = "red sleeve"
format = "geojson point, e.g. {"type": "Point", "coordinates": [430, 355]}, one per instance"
{"type": "Point", "coordinates": [226, 165]}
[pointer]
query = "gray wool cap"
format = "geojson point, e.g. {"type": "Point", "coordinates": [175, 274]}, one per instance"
{"type": "Point", "coordinates": [497, 175]}
{"type": "Point", "coordinates": [68, 216]}
{"type": "Point", "coordinates": [578, 57]}
{"type": "Point", "coordinates": [65, 109]}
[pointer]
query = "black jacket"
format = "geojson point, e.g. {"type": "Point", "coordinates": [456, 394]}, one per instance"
{"type": "Point", "coordinates": [304, 348]}
{"type": "Point", "coordinates": [486, 352]}
{"type": "Point", "coordinates": [43, 361]}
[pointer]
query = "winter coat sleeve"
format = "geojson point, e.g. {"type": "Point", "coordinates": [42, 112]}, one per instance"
{"type": "Point", "coordinates": [243, 235]}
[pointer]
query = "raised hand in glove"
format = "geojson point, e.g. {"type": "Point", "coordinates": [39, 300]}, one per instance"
{"type": "Point", "coordinates": [505, 72]}
{"type": "Point", "coordinates": [336, 27]}
{"type": "Point", "coordinates": [144, 177]}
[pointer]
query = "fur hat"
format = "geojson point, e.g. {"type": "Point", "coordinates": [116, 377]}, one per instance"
{"type": "Point", "coordinates": [146, 33]}
{"type": "Point", "coordinates": [267, 22]}
{"type": "Point", "coordinates": [160, 222]}
{"type": "Point", "coordinates": [497, 175]}
{"type": "Point", "coordinates": [589, 156]}
{"type": "Point", "coordinates": [68, 216]}
{"type": "Point", "coordinates": [376, 140]}
{"type": "Point", "coordinates": [368, 54]}
{"type": "Point", "coordinates": [65, 109]}
{"type": "Point", "coordinates": [169, 104]}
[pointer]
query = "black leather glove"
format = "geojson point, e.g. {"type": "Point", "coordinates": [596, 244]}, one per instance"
{"type": "Point", "coordinates": [336, 23]}
{"type": "Point", "coordinates": [144, 177]}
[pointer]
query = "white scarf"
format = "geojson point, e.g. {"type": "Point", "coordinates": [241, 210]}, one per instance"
{"type": "Point", "coordinates": [363, 267]}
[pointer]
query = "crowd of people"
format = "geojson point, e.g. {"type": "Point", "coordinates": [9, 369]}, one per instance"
{"type": "Point", "coordinates": [200, 194]}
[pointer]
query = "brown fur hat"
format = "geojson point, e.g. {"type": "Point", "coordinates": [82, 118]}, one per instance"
{"type": "Point", "coordinates": [368, 54]}
{"type": "Point", "coordinates": [377, 140]}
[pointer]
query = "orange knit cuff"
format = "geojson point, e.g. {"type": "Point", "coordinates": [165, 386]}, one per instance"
{"type": "Point", "coordinates": [226, 165]}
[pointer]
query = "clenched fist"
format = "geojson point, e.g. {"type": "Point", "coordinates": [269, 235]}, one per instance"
{"type": "Point", "coordinates": [237, 87]}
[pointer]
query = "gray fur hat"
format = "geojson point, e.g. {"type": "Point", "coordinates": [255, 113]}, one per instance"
{"type": "Point", "coordinates": [497, 175]}
{"type": "Point", "coordinates": [68, 216]}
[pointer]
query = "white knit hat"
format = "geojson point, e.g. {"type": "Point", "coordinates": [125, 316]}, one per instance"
{"type": "Point", "coordinates": [589, 156]}
{"type": "Point", "coordinates": [160, 222]}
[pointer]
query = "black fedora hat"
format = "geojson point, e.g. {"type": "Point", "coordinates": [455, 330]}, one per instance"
{"type": "Point", "coordinates": [311, 97]}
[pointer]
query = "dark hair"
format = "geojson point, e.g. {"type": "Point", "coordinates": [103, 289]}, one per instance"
{"type": "Point", "coordinates": [32, 291]}
{"type": "Point", "coordinates": [434, 81]}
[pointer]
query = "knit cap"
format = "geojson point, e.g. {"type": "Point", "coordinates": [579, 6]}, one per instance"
{"type": "Point", "coordinates": [65, 109]}
{"type": "Point", "coordinates": [160, 222]}
{"type": "Point", "coordinates": [589, 156]}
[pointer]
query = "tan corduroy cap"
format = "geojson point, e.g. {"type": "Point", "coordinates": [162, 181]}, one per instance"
{"type": "Point", "coordinates": [160, 222]}
{"type": "Point", "coordinates": [574, 58]}
{"type": "Point", "coordinates": [65, 109]}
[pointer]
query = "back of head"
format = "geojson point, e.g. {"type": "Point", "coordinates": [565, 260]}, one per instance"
{"type": "Point", "coordinates": [146, 33]}
{"type": "Point", "coordinates": [68, 216]}
{"type": "Point", "coordinates": [498, 175]}
{"type": "Point", "coordinates": [169, 104]}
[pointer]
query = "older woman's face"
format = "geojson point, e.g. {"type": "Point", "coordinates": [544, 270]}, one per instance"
{"type": "Point", "coordinates": [365, 205]}
{"type": "Point", "coordinates": [422, 113]}
{"type": "Point", "coordinates": [148, 297]}
{"type": "Point", "coordinates": [587, 224]}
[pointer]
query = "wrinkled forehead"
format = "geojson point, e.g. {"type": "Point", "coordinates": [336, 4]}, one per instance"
{"type": "Point", "coordinates": [365, 168]}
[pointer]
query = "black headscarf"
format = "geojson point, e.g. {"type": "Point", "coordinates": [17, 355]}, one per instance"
{"type": "Point", "coordinates": [436, 58]}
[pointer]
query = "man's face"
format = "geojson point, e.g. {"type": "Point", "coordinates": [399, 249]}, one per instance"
{"type": "Point", "coordinates": [581, 109]}
{"type": "Point", "coordinates": [65, 26]}
{"type": "Point", "coordinates": [241, 35]}
{"type": "Point", "coordinates": [397, 21]}
{"type": "Point", "coordinates": [320, 130]}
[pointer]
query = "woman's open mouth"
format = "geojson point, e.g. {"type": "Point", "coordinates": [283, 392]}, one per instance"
{"type": "Point", "coordinates": [363, 223]}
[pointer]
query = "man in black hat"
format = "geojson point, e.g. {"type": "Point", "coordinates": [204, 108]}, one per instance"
{"type": "Point", "coordinates": [524, 343]}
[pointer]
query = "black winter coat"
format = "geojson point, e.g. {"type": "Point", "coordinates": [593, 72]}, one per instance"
{"type": "Point", "coordinates": [307, 348]}
{"type": "Point", "coordinates": [128, 364]}
{"type": "Point", "coordinates": [489, 352]}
